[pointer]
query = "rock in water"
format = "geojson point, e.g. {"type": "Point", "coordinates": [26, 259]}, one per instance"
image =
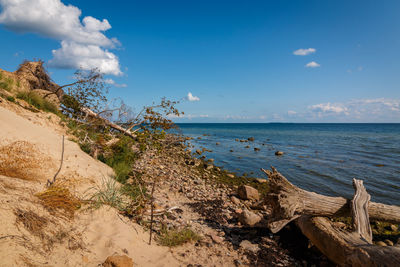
{"type": "Point", "coordinates": [118, 261]}
{"type": "Point", "coordinates": [248, 193]}
{"type": "Point", "coordinates": [249, 218]}
{"type": "Point", "coordinates": [278, 153]}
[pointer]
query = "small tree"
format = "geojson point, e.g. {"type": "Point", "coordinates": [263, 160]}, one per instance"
{"type": "Point", "coordinates": [89, 91]}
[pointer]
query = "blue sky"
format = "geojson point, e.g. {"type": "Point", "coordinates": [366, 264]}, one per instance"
{"type": "Point", "coordinates": [238, 59]}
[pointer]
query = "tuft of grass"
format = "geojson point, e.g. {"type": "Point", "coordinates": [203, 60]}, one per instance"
{"type": "Point", "coordinates": [6, 83]}
{"type": "Point", "coordinates": [59, 200]}
{"type": "Point", "coordinates": [11, 99]}
{"type": "Point", "coordinates": [175, 237]}
{"type": "Point", "coordinates": [22, 160]}
{"type": "Point", "coordinates": [108, 193]}
{"type": "Point", "coordinates": [38, 102]}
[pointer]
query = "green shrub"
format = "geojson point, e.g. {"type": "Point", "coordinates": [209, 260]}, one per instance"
{"type": "Point", "coordinates": [120, 157]}
{"type": "Point", "coordinates": [10, 98]}
{"type": "Point", "coordinates": [174, 237]}
{"type": "Point", "coordinates": [38, 102]}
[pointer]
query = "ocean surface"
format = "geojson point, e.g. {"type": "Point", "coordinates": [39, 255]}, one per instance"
{"type": "Point", "coordinates": [323, 158]}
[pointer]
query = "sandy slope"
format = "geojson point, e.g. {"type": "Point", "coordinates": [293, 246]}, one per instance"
{"type": "Point", "coordinates": [87, 240]}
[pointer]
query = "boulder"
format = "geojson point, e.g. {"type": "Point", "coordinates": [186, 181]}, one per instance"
{"type": "Point", "coordinates": [248, 193]}
{"type": "Point", "coordinates": [249, 218]}
{"type": "Point", "coordinates": [118, 261]}
{"type": "Point", "coordinates": [278, 153]}
{"type": "Point", "coordinates": [250, 139]}
{"type": "Point", "coordinates": [230, 175]}
{"type": "Point", "coordinates": [248, 246]}
{"type": "Point", "coordinates": [256, 149]}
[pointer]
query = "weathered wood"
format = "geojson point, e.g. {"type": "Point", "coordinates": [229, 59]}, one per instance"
{"type": "Point", "coordinates": [289, 202]}
{"type": "Point", "coordinates": [346, 248]}
{"type": "Point", "coordinates": [359, 211]}
{"type": "Point", "coordinates": [92, 114]}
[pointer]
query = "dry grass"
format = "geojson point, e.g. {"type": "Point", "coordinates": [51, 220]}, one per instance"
{"type": "Point", "coordinates": [22, 160]}
{"type": "Point", "coordinates": [31, 221]}
{"type": "Point", "coordinates": [58, 200]}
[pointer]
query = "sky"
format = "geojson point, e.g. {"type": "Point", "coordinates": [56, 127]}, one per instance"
{"type": "Point", "coordinates": [226, 61]}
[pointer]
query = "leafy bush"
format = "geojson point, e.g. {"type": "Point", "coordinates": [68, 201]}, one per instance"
{"type": "Point", "coordinates": [10, 98]}
{"type": "Point", "coordinates": [120, 157]}
{"type": "Point", "coordinates": [38, 102]}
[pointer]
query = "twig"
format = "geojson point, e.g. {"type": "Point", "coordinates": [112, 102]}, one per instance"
{"type": "Point", "coordinates": [152, 210]}
{"type": "Point", "coordinates": [49, 183]}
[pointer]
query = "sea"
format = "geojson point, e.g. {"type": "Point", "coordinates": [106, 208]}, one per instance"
{"type": "Point", "coordinates": [322, 158]}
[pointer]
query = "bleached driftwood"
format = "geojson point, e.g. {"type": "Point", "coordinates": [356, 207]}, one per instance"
{"type": "Point", "coordinates": [289, 202]}
{"type": "Point", "coordinates": [342, 247]}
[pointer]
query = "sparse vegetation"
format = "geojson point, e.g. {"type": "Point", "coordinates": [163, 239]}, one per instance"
{"type": "Point", "coordinates": [6, 83]}
{"type": "Point", "coordinates": [60, 201]}
{"type": "Point", "coordinates": [108, 193]}
{"type": "Point", "coordinates": [177, 237]}
{"type": "Point", "coordinates": [11, 98]}
{"type": "Point", "coordinates": [22, 160]}
{"type": "Point", "coordinates": [31, 221]}
{"type": "Point", "coordinates": [38, 102]}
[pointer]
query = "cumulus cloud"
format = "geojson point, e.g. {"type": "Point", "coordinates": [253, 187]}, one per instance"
{"type": "Point", "coordinates": [192, 98]}
{"type": "Point", "coordinates": [312, 64]}
{"type": "Point", "coordinates": [291, 112]}
{"type": "Point", "coordinates": [83, 43]}
{"type": "Point", "coordinates": [304, 52]}
{"type": "Point", "coordinates": [113, 83]}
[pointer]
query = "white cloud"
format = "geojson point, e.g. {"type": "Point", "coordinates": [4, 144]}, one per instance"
{"type": "Point", "coordinates": [192, 98]}
{"type": "Point", "coordinates": [312, 64]}
{"type": "Point", "coordinates": [329, 108]}
{"type": "Point", "coordinates": [81, 41]}
{"type": "Point", "coordinates": [74, 55]}
{"type": "Point", "coordinates": [304, 52]}
{"type": "Point", "coordinates": [113, 83]}
{"type": "Point", "coordinates": [377, 109]}
{"type": "Point", "coordinates": [291, 112]}
{"type": "Point", "coordinates": [188, 116]}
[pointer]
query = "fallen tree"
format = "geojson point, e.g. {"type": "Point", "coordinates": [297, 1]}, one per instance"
{"type": "Point", "coordinates": [289, 202]}
{"type": "Point", "coordinates": [310, 210]}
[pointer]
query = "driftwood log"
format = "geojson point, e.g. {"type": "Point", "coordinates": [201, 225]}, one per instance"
{"type": "Point", "coordinates": [342, 247]}
{"type": "Point", "coordinates": [289, 202]}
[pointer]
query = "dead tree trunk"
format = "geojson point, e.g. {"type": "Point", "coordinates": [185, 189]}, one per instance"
{"type": "Point", "coordinates": [289, 202]}
{"type": "Point", "coordinates": [342, 247]}
{"type": "Point", "coordinates": [92, 114]}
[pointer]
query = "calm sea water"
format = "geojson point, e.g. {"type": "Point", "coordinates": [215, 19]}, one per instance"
{"type": "Point", "coordinates": [318, 157]}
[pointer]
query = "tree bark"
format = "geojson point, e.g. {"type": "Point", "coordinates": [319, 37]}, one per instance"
{"type": "Point", "coordinates": [289, 202]}
{"type": "Point", "coordinates": [345, 248]}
